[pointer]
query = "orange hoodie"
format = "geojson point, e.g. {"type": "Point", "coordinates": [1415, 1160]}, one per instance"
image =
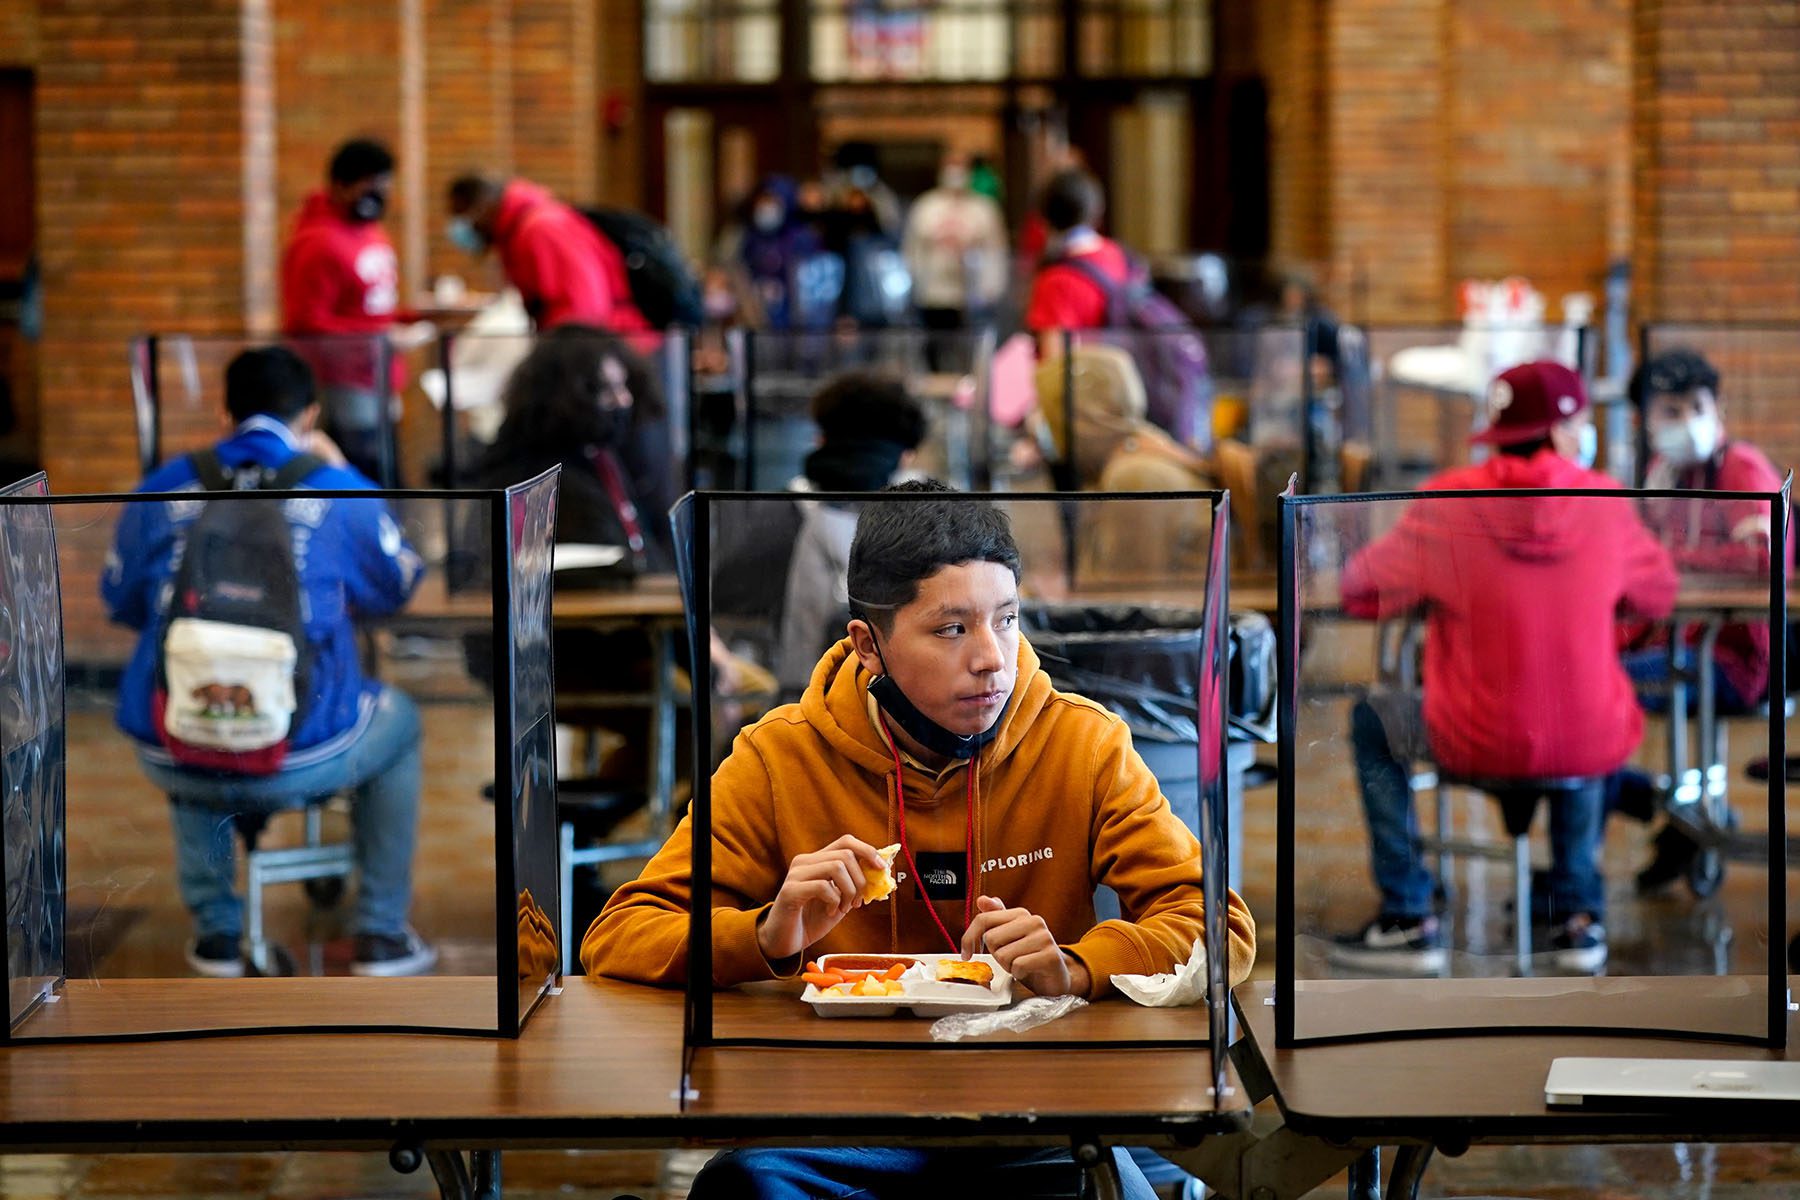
{"type": "Point", "coordinates": [1063, 804]}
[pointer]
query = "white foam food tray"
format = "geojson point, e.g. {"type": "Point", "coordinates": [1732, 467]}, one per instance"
{"type": "Point", "coordinates": [924, 995]}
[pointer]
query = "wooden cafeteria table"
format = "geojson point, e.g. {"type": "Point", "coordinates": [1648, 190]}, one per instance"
{"type": "Point", "coordinates": [1342, 1101]}
{"type": "Point", "coordinates": [598, 1065]}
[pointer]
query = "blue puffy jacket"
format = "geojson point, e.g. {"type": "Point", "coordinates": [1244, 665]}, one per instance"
{"type": "Point", "coordinates": [353, 562]}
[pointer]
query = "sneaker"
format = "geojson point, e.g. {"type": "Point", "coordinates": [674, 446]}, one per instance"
{"type": "Point", "coordinates": [1579, 946]}
{"type": "Point", "coordinates": [1392, 945]}
{"type": "Point", "coordinates": [216, 956]}
{"type": "Point", "coordinates": [387, 954]}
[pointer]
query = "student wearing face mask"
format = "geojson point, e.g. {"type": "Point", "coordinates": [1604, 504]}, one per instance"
{"type": "Point", "coordinates": [955, 246]}
{"type": "Point", "coordinates": [566, 271]}
{"type": "Point", "coordinates": [931, 724]}
{"type": "Point", "coordinates": [339, 276]}
{"type": "Point", "coordinates": [795, 282]}
{"type": "Point", "coordinates": [1678, 399]}
{"type": "Point", "coordinates": [1521, 675]}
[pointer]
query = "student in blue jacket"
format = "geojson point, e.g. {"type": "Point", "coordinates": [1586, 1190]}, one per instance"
{"type": "Point", "coordinates": [349, 733]}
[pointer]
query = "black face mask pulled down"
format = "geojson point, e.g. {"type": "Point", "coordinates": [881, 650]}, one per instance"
{"type": "Point", "coordinates": [369, 206]}
{"type": "Point", "coordinates": [921, 728]}
{"type": "Point", "coordinates": [854, 464]}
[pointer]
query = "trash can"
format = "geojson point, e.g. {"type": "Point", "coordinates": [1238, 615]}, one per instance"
{"type": "Point", "coordinates": [1142, 663]}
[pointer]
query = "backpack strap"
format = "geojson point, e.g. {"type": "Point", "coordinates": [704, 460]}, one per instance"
{"type": "Point", "coordinates": [210, 470]}
{"type": "Point", "coordinates": [292, 472]}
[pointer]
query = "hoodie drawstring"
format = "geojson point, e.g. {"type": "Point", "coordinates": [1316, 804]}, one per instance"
{"type": "Point", "coordinates": [906, 846]}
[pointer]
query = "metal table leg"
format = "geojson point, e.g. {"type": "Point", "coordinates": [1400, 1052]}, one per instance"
{"type": "Point", "coordinates": [1365, 1176]}
{"type": "Point", "coordinates": [1408, 1172]}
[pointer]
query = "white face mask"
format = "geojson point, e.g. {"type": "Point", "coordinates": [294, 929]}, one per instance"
{"type": "Point", "coordinates": [1687, 443]}
{"type": "Point", "coordinates": [1589, 448]}
{"type": "Point", "coordinates": [768, 217]}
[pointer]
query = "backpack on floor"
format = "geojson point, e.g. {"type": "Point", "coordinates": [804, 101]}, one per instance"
{"type": "Point", "coordinates": [662, 285]}
{"type": "Point", "coordinates": [233, 665]}
{"type": "Point", "coordinates": [1177, 382]}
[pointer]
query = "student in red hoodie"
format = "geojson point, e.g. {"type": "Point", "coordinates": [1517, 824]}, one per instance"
{"type": "Point", "coordinates": [1522, 678]}
{"type": "Point", "coordinates": [339, 277]}
{"type": "Point", "coordinates": [564, 269]}
{"type": "Point", "coordinates": [1065, 295]}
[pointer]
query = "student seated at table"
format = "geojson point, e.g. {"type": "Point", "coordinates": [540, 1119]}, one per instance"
{"type": "Point", "coordinates": [1679, 400]}
{"type": "Point", "coordinates": [584, 400]}
{"type": "Point", "coordinates": [1521, 676]}
{"type": "Point", "coordinates": [784, 564]}
{"type": "Point", "coordinates": [934, 717]}
{"type": "Point", "coordinates": [350, 560]}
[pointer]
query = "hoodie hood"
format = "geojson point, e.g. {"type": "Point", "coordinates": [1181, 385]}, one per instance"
{"type": "Point", "coordinates": [517, 200]}
{"type": "Point", "coordinates": [317, 211]}
{"type": "Point", "coordinates": [836, 704]}
{"type": "Point", "coordinates": [1538, 529]}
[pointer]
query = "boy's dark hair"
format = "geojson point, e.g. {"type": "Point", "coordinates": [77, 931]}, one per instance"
{"type": "Point", "coordinates": [1673, 373]}
{"type": "Point", "coordinates": [467, 192]}
{"type": "Point", "coordinates": [360, 159]}
{"type": "Point", "coordinates": [899, 546]}
{"type": "Point", "coordinates": [267, 381]}
{"type": "Point", "coordinates": [1071, 198]}
{"type": "Point", "coordinates": [873, 405]}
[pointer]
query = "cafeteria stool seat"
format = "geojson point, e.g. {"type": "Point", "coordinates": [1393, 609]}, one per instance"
{"type": "Point", "coordinates": [1518, 799]}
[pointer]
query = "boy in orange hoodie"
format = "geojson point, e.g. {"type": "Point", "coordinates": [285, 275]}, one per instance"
{"type": "Point", "coordinates": [930, 725]}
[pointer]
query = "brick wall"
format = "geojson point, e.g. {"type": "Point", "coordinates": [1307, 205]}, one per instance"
{"type": "Point", "coordinates": [554, 94]}
{"type": "Point", "coordinates": [468, 110]}
{"type": "Point", "coordinates": [1289, 40]}
{"type": "Point", "coordinates": [1385, 143]}
{"type": "Point", "coordinates": [18, 33]}
{"type": "Point", "coordinates": [1717, 158]}
{"type": "Point", "coordinates": [1539, 146]}
{"type": "Point", "coordinates": [337, 77]}
{"type": "Point", "coordinates": [148, 197]}
{"type": "Point", "coordinates": [1415, 143]}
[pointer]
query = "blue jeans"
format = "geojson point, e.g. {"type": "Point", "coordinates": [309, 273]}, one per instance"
{"type": "Point", "coordinates": [1576, 885]}
{"type": "Point", "coordinates": [352, 417]}
{"type": "Point", "coordinates": [1649, 671]}
{"type": "Point", "coordinates": [381, 771]}
{"type": "Point", "coordinates": [843, 1172]}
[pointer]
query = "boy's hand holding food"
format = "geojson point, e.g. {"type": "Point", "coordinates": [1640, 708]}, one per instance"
{"type": "Point", "coordinates": [1021, 942]}
{"type": "Point", "coordinates": [820, 890]}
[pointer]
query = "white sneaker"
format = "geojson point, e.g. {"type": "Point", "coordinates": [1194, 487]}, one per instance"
{"type": "Point", "coordinates": [1392, 946]}
{"type": "Point", "coordinates": [216, 956]}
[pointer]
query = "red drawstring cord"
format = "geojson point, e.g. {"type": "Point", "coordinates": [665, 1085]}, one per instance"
{"type": "Point", "coordinates": [906, 846]}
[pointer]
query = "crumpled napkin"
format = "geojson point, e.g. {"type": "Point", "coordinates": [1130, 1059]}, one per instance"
{"type": "Point", "coordinates": [1186, 986]}
{"type": "Point", "coordinates": [1028, 1014]}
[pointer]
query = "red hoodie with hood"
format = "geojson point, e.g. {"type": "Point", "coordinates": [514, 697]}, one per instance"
{"type": "Point", "coordinates": [1521, 596]}
{"type": "Point", "coordinates": [564, 269]}
{"type": "Point", "coordinates": [340, 276]}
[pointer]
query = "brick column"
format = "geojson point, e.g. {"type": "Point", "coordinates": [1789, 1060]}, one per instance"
{"type": "Point", "coordinates": [1385, 144]}
{"type": "Point", "coordinates": [620, 63]}
{"type": "Point", "coordinates": [156, 200]}
{"type": "Point", "coordinates": [1716, 106]}
{"type": "Point", "coordinates": [340, 67]}
{"type": "Point", "coordinates": [555, 93]}
{"type": "Point", "coordinates": [468, 111]}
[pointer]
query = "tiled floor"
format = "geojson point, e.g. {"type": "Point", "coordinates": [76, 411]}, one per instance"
{"type": "Point", "coordinates": [119, 859]}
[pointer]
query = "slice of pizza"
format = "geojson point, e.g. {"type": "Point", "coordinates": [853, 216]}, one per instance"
{"type": "Point", "coordinates": [879, 885]}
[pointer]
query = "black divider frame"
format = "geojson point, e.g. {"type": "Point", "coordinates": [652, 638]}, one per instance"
{"type": "Point", "coordinates": [509, 1020]}
{"type": "Point", "coordinates": [1288, 642]}
{"type": "Point", "coordinates": [41, 874]}
{"type": "Point", "coordinates": [691, 519]}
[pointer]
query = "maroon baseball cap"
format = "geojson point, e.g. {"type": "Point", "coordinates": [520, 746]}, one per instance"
{"type": "Point", "coordinates": [1527, 400]}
